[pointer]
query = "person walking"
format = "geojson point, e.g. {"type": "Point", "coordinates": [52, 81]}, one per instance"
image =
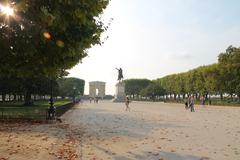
{"type": "Point", "coordinates": [187, 103]}
{"type": "Point", "coordinates": [127, 101]}
{"type": "Point", "coordinates": [191, 104]}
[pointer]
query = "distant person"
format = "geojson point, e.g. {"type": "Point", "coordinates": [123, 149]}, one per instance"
{"type": "Point", "coordinates": [80, 101]}
{"type": "Point", "coordinates": [90, 99]}
{"type": "Point", "coordinates": [127, 101]}
{"type": "Point", "coordinates": [191, 104]}
{"type": "Point", "coordinates": [96, 99]}
{"type": "Point", "coordinates": [186, 103]}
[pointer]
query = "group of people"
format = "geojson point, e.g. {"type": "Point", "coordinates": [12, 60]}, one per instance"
{"type": "Point", "coordinates": [95, 100]}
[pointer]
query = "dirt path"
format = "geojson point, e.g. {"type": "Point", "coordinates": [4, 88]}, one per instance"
{"type": "Point", "coordinates": [150, 131]}
{"type": "Point", "coordinates": [156, 131]}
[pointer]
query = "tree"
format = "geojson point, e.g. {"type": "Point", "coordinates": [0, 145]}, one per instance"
{"type": "Point", "coordinates": [71, 87]}
{"type": "Point", "coordinates": [47, 37]}
{"type": "Point", "coordinates": [229, 68]}
{"type": "Point", "coordinates": [134, 86]}
{"type": "Point", "coordinates": [153, 90]}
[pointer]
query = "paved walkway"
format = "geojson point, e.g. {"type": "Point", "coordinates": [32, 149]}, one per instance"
{"type": "Point", "coordinates": [155, 131]}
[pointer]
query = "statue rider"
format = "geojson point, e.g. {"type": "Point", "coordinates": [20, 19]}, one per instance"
{"type": "Point", "coordinates": [120, 74]}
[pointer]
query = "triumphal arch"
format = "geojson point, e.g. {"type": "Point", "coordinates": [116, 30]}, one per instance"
{"type": "Point", "coordinates": [97, 89]}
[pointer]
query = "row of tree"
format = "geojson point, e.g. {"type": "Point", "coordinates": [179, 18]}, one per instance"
{"type": "Point", "coordinates": [222, 78]}
{"type": "Point", "coordinates": [16, 90]}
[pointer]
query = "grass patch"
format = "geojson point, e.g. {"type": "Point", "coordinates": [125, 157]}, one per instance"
{"type": "Point", "coordinates": [225, 103]}
{"type": "Point", "coordinates": [44, 104]}
{"type": "Point", "coordinates": [16, 110]}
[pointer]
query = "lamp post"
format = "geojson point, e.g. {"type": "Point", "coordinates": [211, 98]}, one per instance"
{"type": "Point", "coordinates": [74, 89]}
{"type": "Point", "coordinates": [51, 110]}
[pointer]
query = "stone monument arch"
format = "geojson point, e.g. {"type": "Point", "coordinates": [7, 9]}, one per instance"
{"type": "Point", "coordinates": [97, 89]}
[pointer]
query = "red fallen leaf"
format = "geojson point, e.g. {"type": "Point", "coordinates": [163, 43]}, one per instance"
{"type": "Point", "coordinates": [72, 156]}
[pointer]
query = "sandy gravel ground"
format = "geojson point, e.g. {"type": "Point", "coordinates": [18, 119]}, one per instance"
{"type": "Point", "coordinates": [150, 131]}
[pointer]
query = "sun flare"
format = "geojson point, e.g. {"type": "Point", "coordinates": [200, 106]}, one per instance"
{"type": "Point", "coordinates": [6, 10]}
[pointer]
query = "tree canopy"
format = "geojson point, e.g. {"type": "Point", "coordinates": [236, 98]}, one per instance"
{"type": "Point", "coordinates": [153, 90]}
{"type": "Point", "coordinates": [134, 86]}
{"type": "Point", "coordinates": [70, 87]}
{"type": "Point", "coordinates": [44, 38]}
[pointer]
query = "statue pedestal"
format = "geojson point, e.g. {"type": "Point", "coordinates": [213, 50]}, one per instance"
{"type": "Point", "coordinates": [120, 92]}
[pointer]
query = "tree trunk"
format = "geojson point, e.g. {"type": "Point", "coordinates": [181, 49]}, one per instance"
{"type": "Point", "coordinates": [21, 98]}
{"type": "Point", "coordinates": [197, 97]}
{"type": "Point", "coordinates": [206, 96]}
{"type": "Point", "coordinates": [14, 97]}
{"type": "Point", "coordinates": [3, 97]}
{"type": "Point", "coordinates": [209, 100]}
{"type": "Point", "coordinates": [27, 99]}
{"type": "Point", "coordinates": [221, 96]}
{"type": "Point", "coordinates": [183, 95]}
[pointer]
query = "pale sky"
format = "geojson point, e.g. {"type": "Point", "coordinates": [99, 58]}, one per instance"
{"type": "Point", "coordinates": [153, 38]}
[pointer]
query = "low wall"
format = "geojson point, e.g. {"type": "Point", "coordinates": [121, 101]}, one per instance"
{"type": "Point", "coordinates": [64, 108]}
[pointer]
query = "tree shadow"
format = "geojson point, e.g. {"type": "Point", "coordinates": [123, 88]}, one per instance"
{"type": "Point", "coordinates": [162, 155]}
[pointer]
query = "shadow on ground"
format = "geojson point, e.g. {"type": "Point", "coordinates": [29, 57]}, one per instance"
{"type": "Point", "coordinates": [161, 155]}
